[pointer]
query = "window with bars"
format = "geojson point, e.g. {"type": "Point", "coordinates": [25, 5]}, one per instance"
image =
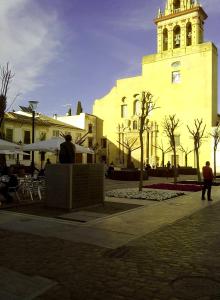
{"type": "Point", "coordinates": [56, 133]}
{"type": "Point", "coordinates": [90, 127]}
{"type": "Point", "coordinates": [9, 134]}
{"type": "Point", "coordinates": [90, 142]}
{"type": "Point", "coordinates": [27, 137]}
{"type": "Point", "coordinates": [104, 143]}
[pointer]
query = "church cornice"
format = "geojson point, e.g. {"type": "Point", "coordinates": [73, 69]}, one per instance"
{"type": "Point", "coordinates": [198, 9]}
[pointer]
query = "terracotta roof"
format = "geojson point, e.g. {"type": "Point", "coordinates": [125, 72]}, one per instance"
{"type": "Point", "coordinates": [39, 120]}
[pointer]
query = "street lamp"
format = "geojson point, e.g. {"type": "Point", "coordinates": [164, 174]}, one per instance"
{"type": "Point", "coordinates": [33, 106]}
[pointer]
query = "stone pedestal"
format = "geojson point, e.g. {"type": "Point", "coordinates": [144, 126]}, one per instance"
{"type": "Point", "coordinates": [74, 185]}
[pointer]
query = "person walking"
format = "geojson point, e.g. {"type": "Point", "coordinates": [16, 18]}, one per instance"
{"type": "Point", "coordinates": [207, 181]}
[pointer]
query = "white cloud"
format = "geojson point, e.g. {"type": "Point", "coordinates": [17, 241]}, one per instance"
{"type": "Point", "coordinates": [29, 40]}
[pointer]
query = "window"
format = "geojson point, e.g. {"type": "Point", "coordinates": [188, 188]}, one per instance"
{"type": "Point", "coordinates": [90, 142]}
{"type": "Point", "coordinates": [176, 5]}
{"type": "Point", "coordinates": [137, 107]}
{"type": "Point", "coordinates": [43, 136]}
{"type": "Point", "coordinates": [27, 137]}
{"type": "Point", "coordinates": [188, 34]}
{"type": "Point", "coordinates": [104, 143]}
{"type": "Point", "coordinates": [165, 39]}
{"type": "Point", "coordinates": [176, 78]}
{"type": "Point", "coordinates": [176, 37]}
{"type": "Point", "coordinates": [124, 111]}
{"type": "Point", "coordinates": [9, 134]}
{"type": "Point", "coordinates": [90, 128]}
{"type": "Point", "coordinates": [56, 133]}
{"type": "Point", "coordinates": [135, 125]}
{"type": "Point", "coordinates": [172, 160]}
{"type": "Point", "coordinates": [177, 140]}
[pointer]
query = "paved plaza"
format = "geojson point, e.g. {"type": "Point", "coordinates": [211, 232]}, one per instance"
{"type": "Point", "coordinates": [156, 250]}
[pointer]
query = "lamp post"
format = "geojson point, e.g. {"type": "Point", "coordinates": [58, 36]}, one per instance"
{"type": "Point", "coordinates": [33, 106]}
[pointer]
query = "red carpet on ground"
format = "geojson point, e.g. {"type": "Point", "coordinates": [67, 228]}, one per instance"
{"type": "Point", "coordinates": [176, 187]}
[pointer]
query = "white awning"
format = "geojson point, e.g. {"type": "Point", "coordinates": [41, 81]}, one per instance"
{"type": "Point", "coordinates": [5, 145]}
{"type": "Point", "coordinates": [52, 145]}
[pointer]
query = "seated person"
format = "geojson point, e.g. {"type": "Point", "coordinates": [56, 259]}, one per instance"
{"type": "Point", "coordinates": [48, 162]}
{"type": "Point", "coordinates": [41, 173]}
{"type": "Point", "coordinates": [8, 181]}
{"type": "Point", "coordinates": [111, 169]}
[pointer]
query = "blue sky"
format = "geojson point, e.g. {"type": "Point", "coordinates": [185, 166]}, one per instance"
{"type": "Point", "coordinates": [62, 51]}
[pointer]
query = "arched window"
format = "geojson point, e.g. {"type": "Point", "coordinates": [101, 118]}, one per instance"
{"type": "Point", "coordinates": [124, 111]}
{"type": "Point", "coordinates": [135, 125]}
{"type": "Point", "coordinates": [188, 34]}
{"type": "Point", "coordinates": [176, 5]}
{"type": "Point", "coordinates": [176, 37]}
{"type": "Point", "coordinates": [165, 39]}
{"type": "Point", "coordinates": [137, 107]}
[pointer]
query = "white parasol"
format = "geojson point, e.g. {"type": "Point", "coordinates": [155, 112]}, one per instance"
{"type": "Point", "coordinates": [5, 145]}
{"type": "Point", "coordinates": [52, 145]}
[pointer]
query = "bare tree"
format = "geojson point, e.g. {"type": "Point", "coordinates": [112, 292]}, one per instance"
{"type": "Point", "coordinates": [163, 152]}
{"type": "Point", "coordinates": [198, 135]}
{"type": "Point", "coordinates": [147, 105]}
{"type": "Point", "coordinates": [6, 77]}
{"type": "Point", "coordinates": [186, 153]}
{"type": "Point", "coordinates": [216, 136]}
{"type": "Point", "coordinates": [128, 143]}
{"type": "Point", "coordinates": [170, 125]}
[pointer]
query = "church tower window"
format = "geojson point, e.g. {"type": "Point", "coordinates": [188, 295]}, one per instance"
{"type": "Point", "coordinates": [189, 34]}
{"type": "Point", "coordinates": [165, 39]}
{"type": "Point", "coordinates": [176, 6]}
{"type": "Point", "coordinates": [176, 37]}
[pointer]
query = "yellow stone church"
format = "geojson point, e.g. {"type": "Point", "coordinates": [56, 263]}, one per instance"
{"type": "Point", "coordinates": [182, 77]}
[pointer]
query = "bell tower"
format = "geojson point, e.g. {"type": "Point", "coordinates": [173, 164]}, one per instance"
{"type": "Point", "coordinates": [180, 25]}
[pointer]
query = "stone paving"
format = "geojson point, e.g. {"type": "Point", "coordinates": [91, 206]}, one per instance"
{"type": "Point", "coordinates": [178, 260]}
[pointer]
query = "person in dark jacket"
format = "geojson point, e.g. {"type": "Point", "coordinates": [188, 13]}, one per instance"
{"type": "Point", "coordinates": [67, 151]}
{"type": "Point", "coordinates": [208, 178]}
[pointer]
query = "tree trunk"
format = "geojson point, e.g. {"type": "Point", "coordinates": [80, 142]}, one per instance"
{"type": "Point", "coordinates": [175, 170]}
{"type": "Point", "coordinates": [214, 162]}
{"type": "Point", "coordinates": [163, 158]}
{"type": "Point", "coordinates": [186, 160]}
{"type": "Point", "coordinates": [142, 160]}
{"type": "Point", "coordinates": [129, 159]}
{"type": "Point", "coordinates": [197, 165]}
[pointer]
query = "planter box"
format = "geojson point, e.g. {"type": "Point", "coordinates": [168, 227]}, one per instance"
{"type": "Point", "coordinates": [187, 171]}
{"type": "Point", "coordinates": [161, 172]}
{"type": "Point", "coordinates": [128, 175]}
{"type": "Point", "coordinates": [73, 186]}
{"type": "Point", "coordinates": [164, 172]}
